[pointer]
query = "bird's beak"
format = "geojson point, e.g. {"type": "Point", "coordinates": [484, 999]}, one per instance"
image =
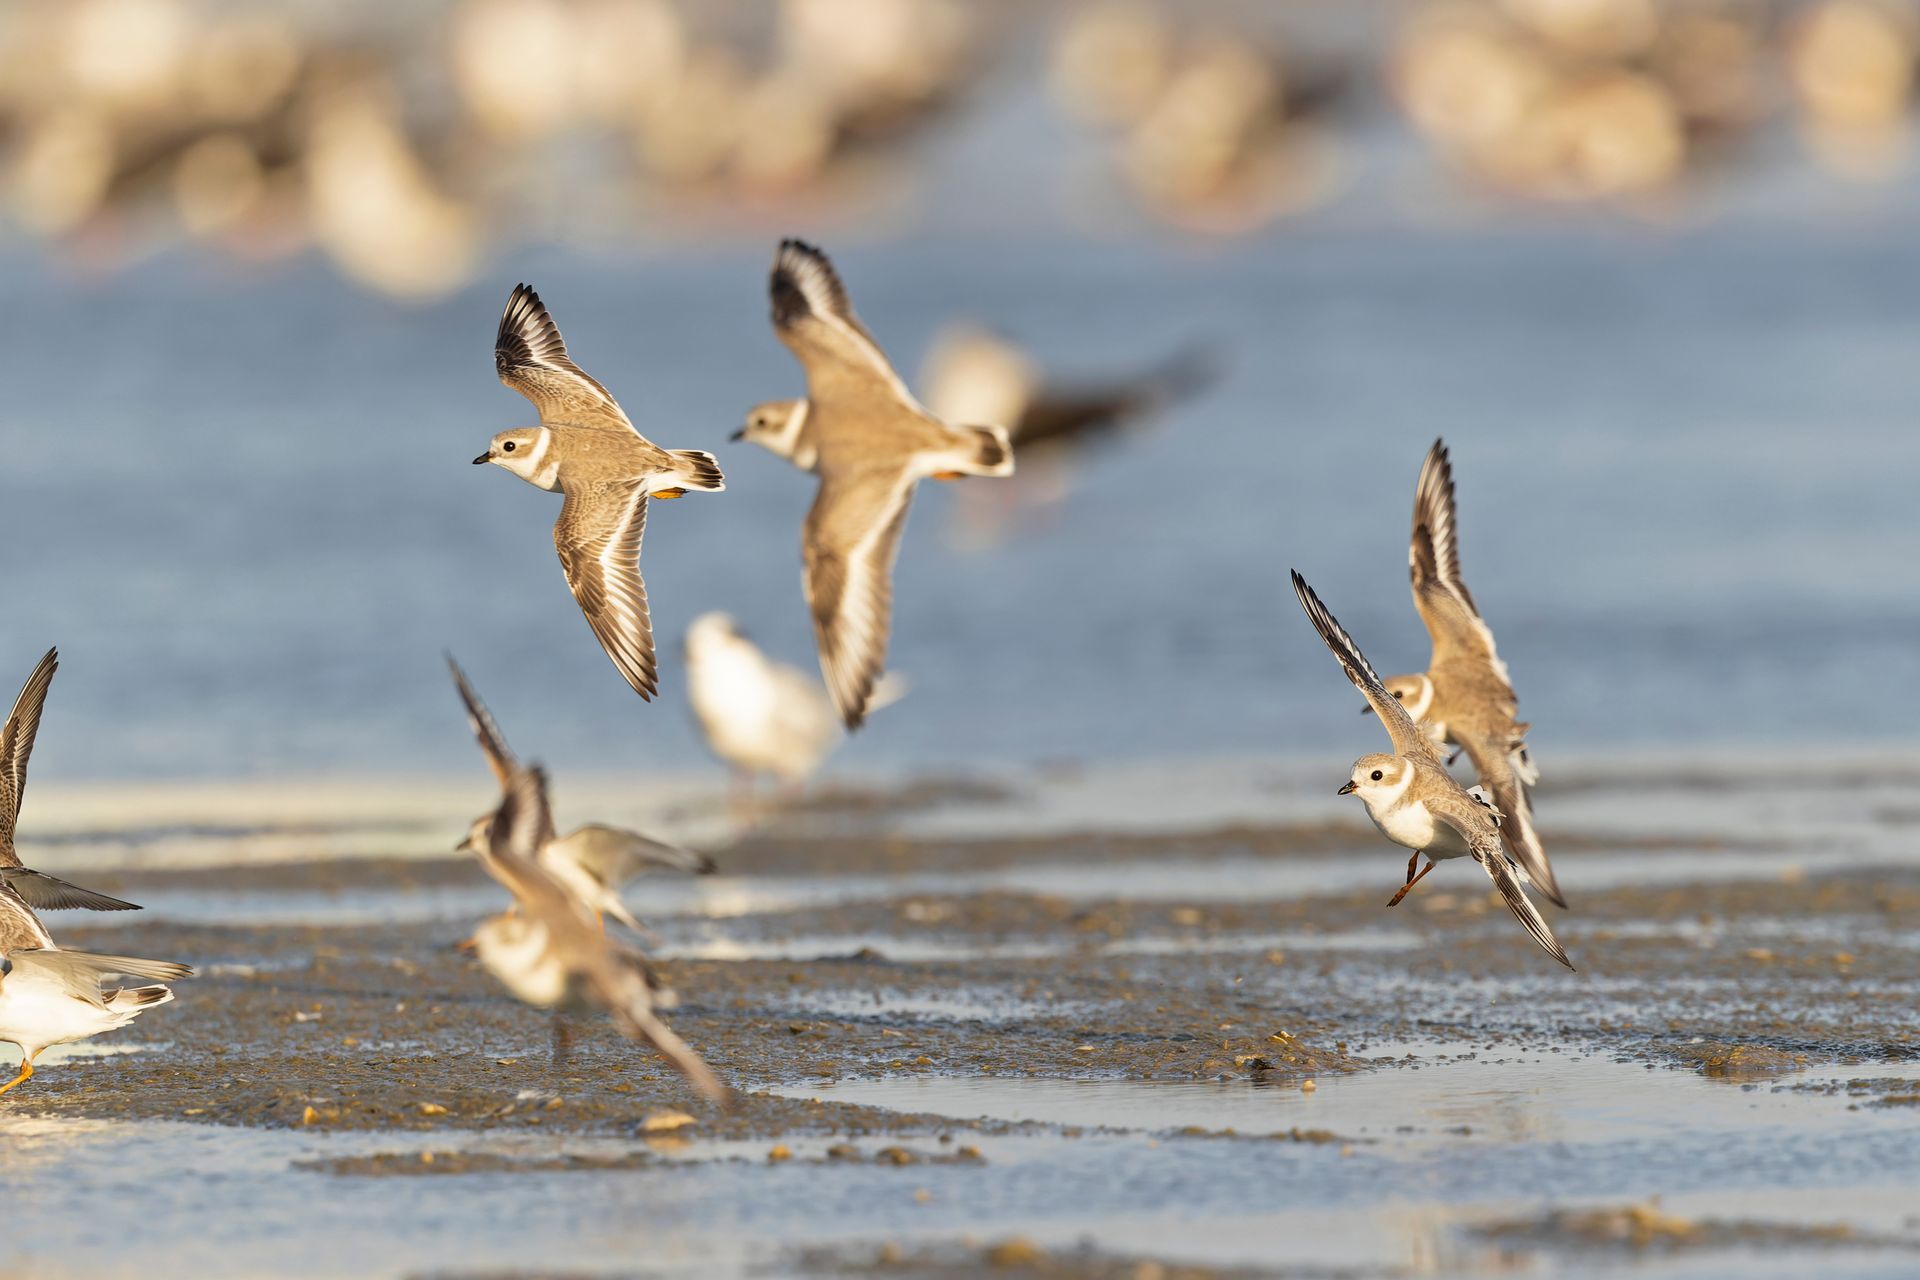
{"type": "Point", "coordinates": [1346, 790]}
{"type": "Point", "coordinates": [485, 457]}
{"type": "Point", "coordinates": [1367, 710]}
{"type": "Point", "coordinates": [465, 846]}
{"type": "Point", "coordinates": [738, 436]}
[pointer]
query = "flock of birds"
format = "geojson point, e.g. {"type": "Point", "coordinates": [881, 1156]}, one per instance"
{"type": "Point", "coordinates": [870, 442]}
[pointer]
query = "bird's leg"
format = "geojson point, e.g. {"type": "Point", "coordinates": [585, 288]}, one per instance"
{"type": "Point", "coordinates": [1412, 862]}
{"type": "Point", "coordinates": [26, 1074]}
{"type": "Point", "coordinates": [1408, 886]}
{"type": "Point", "coordinates": [948, 476]}
{"type": "Point", "coordinates": [562, 1040]}
{"type": "Point", "coordinates": [1455, 756]}
{"type": "Point", "coordinates": [667, 494]}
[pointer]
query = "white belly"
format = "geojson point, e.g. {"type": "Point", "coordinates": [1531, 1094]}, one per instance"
{"type": "Point", "coordinates": [1410, 825]}
{"type": "Point", "coordinates": [515, 952]}
{"type": "Point", "coordinates": [36, 1017]}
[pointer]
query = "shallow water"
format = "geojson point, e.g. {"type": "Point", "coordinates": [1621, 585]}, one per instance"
{"type": "Point", "coordinates": [1662, 449]}
{"type": "Point", "coordinates": [1422, 1155]}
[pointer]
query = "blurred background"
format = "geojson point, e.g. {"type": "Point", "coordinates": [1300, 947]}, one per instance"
{"type": "Point", "coordinates": [1648, 265]}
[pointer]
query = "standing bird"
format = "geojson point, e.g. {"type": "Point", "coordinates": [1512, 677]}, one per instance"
{"type": "Point", "coordinates": [586, 447]}
{"type": "Point", "coordinates": [593, 862]}
{"type": "Point", "coordinates": [875, 442]}
{"type": "Point", "coordinates": [1412, 798]}
{"type": "Point", "coordinates": [49, 996]}
{"type": "Point", "coordinates": [1466, 696]}
{"type": "Point", "coordinates": [551, 953]}
{"type": "Point", "coordinates": [37, 890]}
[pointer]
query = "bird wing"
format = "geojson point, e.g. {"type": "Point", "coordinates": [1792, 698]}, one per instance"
{"type": "Point", "coordinates": [1494, 766]}
{"type": "Point", "coordinates": [598, 537]}
{"type": "Point", "coordinates": [493, 743]}
{"type": "Point", "coordinates": [20, 929]}
{"type": "Point", "coordinates": [1467, 816]}
{"type": "Point", "coordinates": [852, 538]}
{"type": "Point", "coordinates": [1439, 591]}
{"type": "Point", "coordinates": [612, 856]}
{"type": "Point", "coordinates": [48, 893]}
{"type": "Point", "coordinates": [1406, 737]}
{"type": "Point", "coordinates": [16, 745]}
{"type": "Point", "coordinates": [531, 357]}
{"type": "Point", "coordinates": [80, 974]}
{"type": "Point", "coordinates": [813, 317]}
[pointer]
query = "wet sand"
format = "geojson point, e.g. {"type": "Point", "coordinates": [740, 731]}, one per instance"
{"type": "Point", "coordinates": [1099, 1054]}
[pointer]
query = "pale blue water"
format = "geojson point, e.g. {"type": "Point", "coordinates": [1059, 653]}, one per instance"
{"type": "Point", "coordinates": [243, 507]}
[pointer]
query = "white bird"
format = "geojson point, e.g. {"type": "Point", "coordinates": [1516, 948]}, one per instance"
{"type": "Point", "coordinates": [758, 715]}
{"type": "Point", "coordinates": [49, 996]}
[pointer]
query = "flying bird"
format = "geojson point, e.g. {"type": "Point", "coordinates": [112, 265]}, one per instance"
{"type": "Point", "coordinates": [874, 443]}
{"type": "Point", "coordinates": [586, 447]}
{"type": "Point", "coordinates": [1412, 798]}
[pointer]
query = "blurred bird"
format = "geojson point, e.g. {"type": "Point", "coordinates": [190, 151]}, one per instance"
{"type": "Point", "coordinates": [1466, 696]}
{"type": "Point", "coordinates": [758, 715]}
{"type": "Point", "coordinates": [49, 996]}
{"type": "Point", "coordinates": [972, 374]}
{"type": "Point", "coordinates": [875, 442]}
{"type": "Point", "coordinates": [1412, 798]}
{"type": "Point", "coordinates": [551, 953]}
{"type": "Point", "coordinates": [35, 889]}
{"type": "Point", "coordinates": [593, 862]}
{"type": "Point", "coordinates": [587, 447]}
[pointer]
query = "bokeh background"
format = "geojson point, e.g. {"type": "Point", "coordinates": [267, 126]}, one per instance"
{"type": "Point", "coordinates": [1648, 265]}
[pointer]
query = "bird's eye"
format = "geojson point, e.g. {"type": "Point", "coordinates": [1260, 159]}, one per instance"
{"type": "Point", "coordinates": [1376, 775]}
{"type": "Point", "coordinates": [508, 448]}
{"type": "Point", "coordinates": [1398, 694]}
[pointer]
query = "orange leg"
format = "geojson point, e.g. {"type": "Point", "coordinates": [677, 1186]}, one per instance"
{"type": "Point", "coordinates": [1412, 881]}
{"type": "Point", "coordinates": [948, 476]}
{"type": "Point", "coordinates": [26, 1074]}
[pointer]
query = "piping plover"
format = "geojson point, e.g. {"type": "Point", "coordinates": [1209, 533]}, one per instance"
{"type": "Point", "coordinates": [875, 443]}
{"type": "Point", "coordinates": [781, 428]}
{"type": "Point", "coordinates": [1465, 697]}
{"type": "Point", "coordinates": [551, 952]}
{"type": "Point", "coordinates": [1410, 795]}
{"type": "Point", "coordinates": [40, 891]}
{"type": "Point", "coordinates": [595, 861]}
{"type": "Point", "coordinates": [974, 375]}
{"type": "Point", "coordinates": [49, 996]}
{"type": "Point", "coordinates": [586, 447]}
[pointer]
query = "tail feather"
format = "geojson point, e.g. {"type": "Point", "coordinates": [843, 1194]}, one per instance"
{"type": "Point", "coordinates": [138, 997]}
{"type": "Point", "coordinates": [698, 469]}
{"type": "Point", "coordinates": [992, 452]}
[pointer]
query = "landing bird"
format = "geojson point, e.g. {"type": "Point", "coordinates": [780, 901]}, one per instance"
{"type": "Point", "coordinates": [593, 862]}
{"type": "Point", "coordinates": [49, 996]}
{"type": "Point", "coordinates": [1466, 697]}
{"type": "Point", "coordinates": [35, 889]}
{"type": "Point", "coordinates": [1412, 798]}
{"type": "Point", "coordinates": [586, 447]}
{"type": "Point", "coordinates": [551, 952]}
{"type": "Point", "coordinates": [874, 443]}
